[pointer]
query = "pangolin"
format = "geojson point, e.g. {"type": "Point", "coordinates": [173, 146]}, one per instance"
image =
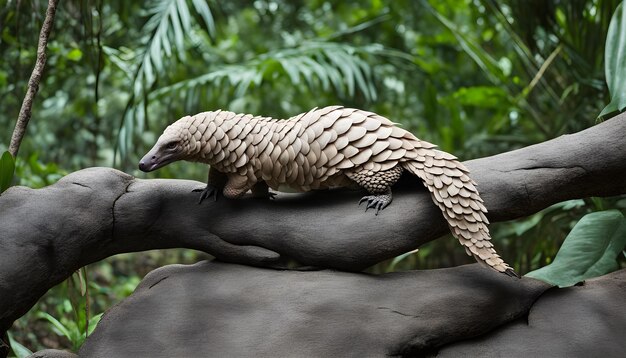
{"type": "Point", "coordinates": [323, 148]}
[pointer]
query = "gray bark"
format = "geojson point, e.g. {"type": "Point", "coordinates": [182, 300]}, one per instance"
{"type": "Point", "coordinates": [94, 213]}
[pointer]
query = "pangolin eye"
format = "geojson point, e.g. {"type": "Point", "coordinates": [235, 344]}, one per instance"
{"type": "Point", "coordinates": [171, 145]}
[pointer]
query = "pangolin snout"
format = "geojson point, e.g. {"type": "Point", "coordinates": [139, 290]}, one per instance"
{"type": "Point", "coordinates": [149, 162]}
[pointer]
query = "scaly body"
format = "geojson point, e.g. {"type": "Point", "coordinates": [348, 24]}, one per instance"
{"type": "Point", "coordinates": [324, 148]}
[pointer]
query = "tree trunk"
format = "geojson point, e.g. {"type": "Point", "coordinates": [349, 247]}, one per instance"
{"type": "Point", "coordinates": [33, 82]}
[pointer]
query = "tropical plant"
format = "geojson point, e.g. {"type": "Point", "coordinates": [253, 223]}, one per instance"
{"type": "Point", "coordinates": [7, 168]}
{"type": "Point", "coordinates": [590, 250]}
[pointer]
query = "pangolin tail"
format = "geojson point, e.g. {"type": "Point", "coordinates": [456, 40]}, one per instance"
{"type": "Point", "coordinates": [456, 195]}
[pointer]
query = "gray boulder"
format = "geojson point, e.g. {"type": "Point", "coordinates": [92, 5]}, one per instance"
{"type": "Point", "coordinates": [224, 310]}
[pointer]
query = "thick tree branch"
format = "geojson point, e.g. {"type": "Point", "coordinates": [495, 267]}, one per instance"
{"type": "Point", "coordinates": [95, 213]}
{"type": "Point", "coordinates": [33, 82]}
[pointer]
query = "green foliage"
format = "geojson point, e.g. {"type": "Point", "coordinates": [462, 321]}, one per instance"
{"type": "Point", "coordinates": [78, 325]}
{"type": "Point", "coordinates": [615, 63]}
{"type": "Point", "coordinates": [165, 31]}
{"type": "Point", "coordinates": [70, 329]}
{"type": "Point", "coordinates": [7, 168]}
{"type": "Point", "coordinates": [590, 250]}
{"type": "Point", "coordinates": [480, 96]}
{"type": "Point", "coordinates": [35, 174]}
{"type": "Point", "coordinates": [19, 351]}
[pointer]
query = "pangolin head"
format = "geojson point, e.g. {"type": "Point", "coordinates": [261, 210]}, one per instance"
{"type": "Point", "coordinates": [176, 143]}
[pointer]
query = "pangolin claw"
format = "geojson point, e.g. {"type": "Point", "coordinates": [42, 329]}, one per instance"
{"type": "Point", "coordinates": [378, 202]}
{"type": "Point", "coordinates": [268, 195]}
{"type": "Point", "coordinates": [207, 192]}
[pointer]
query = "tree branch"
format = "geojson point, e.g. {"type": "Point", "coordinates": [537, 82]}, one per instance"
{"type": "Point", "coordinates": [33, 82]}
{"type": "Point", "coordinates": [94, 213]}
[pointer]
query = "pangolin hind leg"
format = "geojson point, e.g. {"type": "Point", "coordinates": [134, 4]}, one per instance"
{"type": "Point", "coordinates": [262, 191]}
{"type": "Point", "coordinates": [237, 185]}
{"type": "Point", "coordinates": [378, 184]}
{"type": "Point", "coordinates": [215, 183]}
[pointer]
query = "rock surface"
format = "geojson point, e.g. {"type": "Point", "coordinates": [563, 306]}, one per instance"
{"type": "Point", "coordinates": [225, 310]}
{"type": "Point", "coordinates": [579, 321]}
{"type": "Point", "coordinates": [52, 353]}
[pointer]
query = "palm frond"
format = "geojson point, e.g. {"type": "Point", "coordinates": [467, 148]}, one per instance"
{"type": "Point", "coordinates": [482, 58]}
{"type": "Point", "coordinates": [165, 28]}
{"type": "Point", "coordinates": [343, 68]}
{"type": "Point", "coordinates": [165, 32]}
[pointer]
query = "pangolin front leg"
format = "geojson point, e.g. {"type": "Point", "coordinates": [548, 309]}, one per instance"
{"type": "Point", "coordinates": [215, 183]}
{"type": "Point", "coordinates": [378, 184]}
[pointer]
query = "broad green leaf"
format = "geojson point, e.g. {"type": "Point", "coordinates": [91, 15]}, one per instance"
{"type": "Point", "coordinates": [7, 168]}
{"type": "Point", "coordinates": [18, 349]}
{"type": "Point", "coordinates": [615, 63]}
{"type": "Point", "coordinates": [82, 281]}
{"type": "Point", "coordinates": [590, 250]}
{"type": "Point", "coordinates": [396, 260]}
{"type": "Point", "coordinates": [93, 322]}
{"type": "Point", "coordinates": [58, 325]}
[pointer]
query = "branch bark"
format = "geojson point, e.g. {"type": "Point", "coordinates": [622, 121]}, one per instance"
{"type": "Point", "coordinates": [33, 82]}
{"type": "Point", "coordinates": [94, 213]}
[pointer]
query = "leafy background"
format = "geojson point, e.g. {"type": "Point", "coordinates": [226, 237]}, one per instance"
{"type": "Point", "coordinates": [478, 77]}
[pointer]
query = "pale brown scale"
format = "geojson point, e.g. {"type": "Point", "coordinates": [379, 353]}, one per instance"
{"type": "Point", "coordinates": [388, 165]}
{"type": "Point", "coordinates": [362, 156]}
{"type": "Point", "coordinates": [394, 143]}
{"type": "Point", "coordinates": [384, 132]}
{"type": "Point", "coordinates": [382, 156]}
{"type": "Point", "coordinates": [350, 151]}
{"type": "Point", "coordinates": [410, 146]}
{"type": "Point", "coordinates": [379, 146]}
{"type": "Point", "coordinates": [334, 146]}
{"type": "Point", "coordinates": [324, 139]}
{"type": "Point", "coordinates": [358, 116]}
{"type": "Point", "coordinates": [397, 154]}
{"type": "Point", "coordinates": [355, 133]}
{"type": "Point", "coordinates": [245, 131]}
{"type": "Point", "coordinates": [341, 143]}
{"type": "Point", "coordinates": [372, 123]}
